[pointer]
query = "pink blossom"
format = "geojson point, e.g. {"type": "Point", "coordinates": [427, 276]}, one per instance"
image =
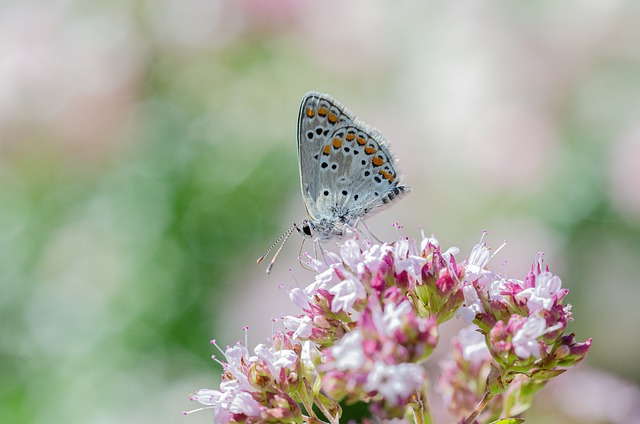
{"type": "Point", "coordinates": [230, 399]}
{"type": "Point", "coordinates": [407, 259]}
{"type": "Point", "coordinates": [348, 353]}
{"type": "Point", "coordinates": [276, 360]}
{"type": "Point", "coordinates": [396, 382]}
{"type": "Point", "coordinates": [474, 347]}
{"type": "Point", "coordinates": [300, 298]}
{"type": "Point", "coordinates": [524, 340]}
{"type": "Point", "coordinates": [544, 294]}
{"type": "Point", "coordinates": [346, 293]}
{"type": "Point", "coordinates": [301, 326]}
{"type": "Point", "coordinates": [472, 304]}
{"type": "Point", "coordinates": [374, 257]}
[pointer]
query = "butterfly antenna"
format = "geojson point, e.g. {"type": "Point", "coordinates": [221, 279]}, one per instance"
{"type": "Point", "coordinates": [283, 238]}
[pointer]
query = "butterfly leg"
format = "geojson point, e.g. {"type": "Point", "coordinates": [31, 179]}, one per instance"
{"type": "Point", "coordinates": [361, 221]}
{"type": "Point", "coordinates": [317, 246]}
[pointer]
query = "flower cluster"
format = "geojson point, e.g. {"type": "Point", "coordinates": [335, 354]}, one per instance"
{"type": "Point", "coordinates": [370, 319]}
{"type": "Point", "coordinates": [523, 320]}
{"type": "Point", "coordinates": [463, 380]}
{"type": "Point", "coordinates": [256, 388]}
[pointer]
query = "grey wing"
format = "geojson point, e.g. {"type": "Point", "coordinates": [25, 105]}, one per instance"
{"type": "Point", "coordinates": [359, 176]}
{"type": "Point", "coordinates": [319, 117]}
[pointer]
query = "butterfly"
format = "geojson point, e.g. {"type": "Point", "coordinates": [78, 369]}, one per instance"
{"type": "Point", "coordinates": [347, 170]}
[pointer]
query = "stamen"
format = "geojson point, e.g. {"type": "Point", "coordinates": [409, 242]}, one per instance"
{"type": "Point", "coordinates": [197, 410]}
{"type": "Point", "coordinates": [215, 343]}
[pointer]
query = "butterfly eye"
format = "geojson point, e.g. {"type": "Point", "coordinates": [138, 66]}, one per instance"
{"type": "Point", "coordinates": [306, 228]}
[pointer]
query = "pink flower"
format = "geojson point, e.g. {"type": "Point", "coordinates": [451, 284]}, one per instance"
{"type": "Point", "coordinates": [396, 383]}
{"type": "Point", "coordinates": [229, 400]}
{"type": "Point", "coordinates": [545, 294]}
{"type": "Point", "coordinates": [370, 318]}
{"type": "Point", "coordinates": [474, 347]}
{"type": "Point", "coordinates": [348, 354]}
{"type": "Point", "coordinates": [301, 326]}
{"type": "Point", "coordinates": [346, 293]}
{"type": "Point", "coordinates": [276, 360]}
{"type": "Point", "coordinates": [407, 259]}
{"type": "Point", "coordinates": [524, 340]}
{"type": "Point", "coordinates": [472, 305]}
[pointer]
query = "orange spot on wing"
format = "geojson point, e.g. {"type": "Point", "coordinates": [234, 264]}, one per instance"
{"type": "Point", "coordinates": [332, 118]}
{"type": "Point", "coordinates": [326, 150]}
{"type": "Point", "coordinates": [322, 111]}
{"type": "Point", "coordinates": [350, 136]}
{"type": "Point", "coordinates": [337, 143]}
{"type": "Point", "coordinates": [311, 112]}
{"type": "Point", "coordinates": [377, 161]}
{"type": "Point", "coordinates": [361, 141]}
{"type": "Point", "coordinates": [369, 150]}
{"type": "Point", "coordinates": [386, 176]}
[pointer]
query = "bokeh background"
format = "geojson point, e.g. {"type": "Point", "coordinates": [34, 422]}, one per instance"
{"type": "Point", "coordinates": [148, 157]}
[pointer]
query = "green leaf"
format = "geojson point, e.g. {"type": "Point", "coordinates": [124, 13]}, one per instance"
{"type": "Point", "coordinates": [329, 406]}
{"type": "Point", "coordinates": [508, 421]}
{"type": "Point", "coordinates": [545, 374]}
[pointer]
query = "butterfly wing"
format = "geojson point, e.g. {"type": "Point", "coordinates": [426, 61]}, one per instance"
{"type": "Point", "coordinates": [318, 118]}
{"type": "Point", "coordinates": [372, 181]}
{"type": "Point", "coordinates": [347, 170]}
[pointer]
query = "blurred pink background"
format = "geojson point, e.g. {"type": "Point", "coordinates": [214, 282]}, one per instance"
{"type": "Point", "coordinates": [519, 118]}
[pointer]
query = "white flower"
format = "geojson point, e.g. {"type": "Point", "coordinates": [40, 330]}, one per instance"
{"type": "Point", "coordinates": [234, 355]}
{"type": "Point", "coordinates": [308, 353]}
{"type": "Point", "coordinates": [392, 317]}
{"type": "Point", "coordinates": [476, 266]}
{"type": "Point", "coordinates": [395, 382]}
{"type": "Point", "coordinates": [525, 342]}
{"type": "Point", "coordinates": [276, 360]}
{"type": "Point", "coordinates": [321, 266]}
{"type": "Point", "coordinates": [543, 295]}
{"type": "Point", "coordinates": [207, 397]}
{"type": "Point", "coordinates": [426, 241]}
{"type": "Point", "coordinates": [479, 257]}
{"type": "Point", "coordinates": [348, 353]}
{"type": "Point", "coordinates": [346, 293]}
{"type": "Point", "coordinates": [325, 281]}
{"type": "Point", "coordinates": [497, 287]}
{"type": "Point", "coordinates": [407, 259]}
{"type": "Point", "coordinates": [474, 348]}
{"type": "Point", "coordinates": [299, 298]}
{"type": "Point", "coordinates": [352, 256]}
{"type": "Point", "coordinates": [229, 399]}
{"type": "Point", "coordinates": [472, 305]}
{"type": "Point", "coordinates": [237, 357]}
{"type": "Point", "coordinates": [301, 326]}
{"type": "Point", "coordinates": [244, 403]}
{"type": "Point", "coordinates": [374, 256]}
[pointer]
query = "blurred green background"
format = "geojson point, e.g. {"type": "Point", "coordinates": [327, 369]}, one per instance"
{"type": "Point", "coordinates": [147, 157]}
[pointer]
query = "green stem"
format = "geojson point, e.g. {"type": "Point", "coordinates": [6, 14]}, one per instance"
{"type": "Point", "coordinates": [421, 413]}
{"type": "Point", "coordinates": [327, 414]}
{"type": "Point", "coordinates": [480, 407]}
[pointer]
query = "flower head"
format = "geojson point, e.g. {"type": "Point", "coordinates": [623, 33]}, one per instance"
{"type": "Point", "coordinates": [369, 319]}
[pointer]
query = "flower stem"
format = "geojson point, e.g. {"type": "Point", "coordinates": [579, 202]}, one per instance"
{"type": "Point", "coordinates": [480, 407]}
{"type": "Point", "coordinates": [420, 408]}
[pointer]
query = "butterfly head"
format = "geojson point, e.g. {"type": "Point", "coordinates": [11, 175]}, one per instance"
{"type": "Point", "coordinates": [323, 229]}
{"type": "Point", "coordinates": [305, 228]}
